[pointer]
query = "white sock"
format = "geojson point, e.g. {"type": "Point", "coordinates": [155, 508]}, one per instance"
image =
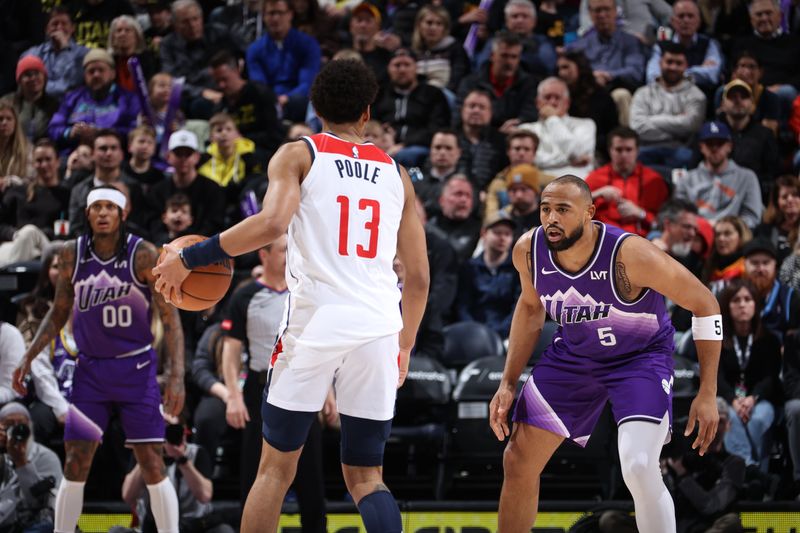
{"type": "Point", "coordinates": [164, 505]}
{"type": "Point", "coordinates": [69, 503]}
{"type": "Point", "coordinates": [640, 445]}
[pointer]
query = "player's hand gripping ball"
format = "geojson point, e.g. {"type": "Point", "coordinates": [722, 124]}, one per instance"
{"type": "Point", "coordinates": [206, 285]}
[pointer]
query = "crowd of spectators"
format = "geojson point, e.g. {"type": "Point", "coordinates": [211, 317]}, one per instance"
{"type": "Point", "coordinates": [682, 116]}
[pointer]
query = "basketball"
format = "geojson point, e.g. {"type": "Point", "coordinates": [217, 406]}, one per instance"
{"type": "Point", "coordinates": [206, 285]}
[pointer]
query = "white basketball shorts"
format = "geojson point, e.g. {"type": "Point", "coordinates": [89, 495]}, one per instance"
{"type": "Point", "coordinates": [364, 380]}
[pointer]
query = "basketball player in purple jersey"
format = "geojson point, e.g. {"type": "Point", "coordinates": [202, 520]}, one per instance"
{"type": "Point", "coordinates": [105, 281]}
{"type": "Point", "coordinates": [606, 289]}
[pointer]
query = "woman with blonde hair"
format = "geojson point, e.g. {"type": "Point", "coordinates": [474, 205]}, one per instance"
{"type": "Point", "coordinates": [440, 57]}
{"type": "Point", "coordinates": [15, 150]}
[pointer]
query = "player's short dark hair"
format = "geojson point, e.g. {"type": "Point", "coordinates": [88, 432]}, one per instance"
{"type": "Point", "coordinates": [622, 132]}
{"type": "Point", "coordinates": [343, 90]}
{"type": "Point", "coordinates": [676, 49]}
{"type": "Point", "coordinates": [569, 179]}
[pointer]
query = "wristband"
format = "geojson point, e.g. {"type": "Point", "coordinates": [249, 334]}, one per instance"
{"type": "Point", "coordinates": [204, 253]}
{"type": "Point", "coordinates": [183, 259]}
{"type": "Point", "coordinates": [182, 460]}
{"type": "Point", "coordinates": [707, 328]}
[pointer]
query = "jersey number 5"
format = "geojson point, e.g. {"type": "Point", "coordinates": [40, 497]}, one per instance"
{"type": "Point", "coordinates": [606, 337]}
{"type": "Point", "coordinates": [371, 226]}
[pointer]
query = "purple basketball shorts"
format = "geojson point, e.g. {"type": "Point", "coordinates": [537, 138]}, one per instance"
{"type": "Point", "coordinates": [126, 386]}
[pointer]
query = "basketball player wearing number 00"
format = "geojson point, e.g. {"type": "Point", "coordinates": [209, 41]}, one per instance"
{"type": "Point", "coordinates": [105, 282]}
{"type": "Point", "coordinates": [349, 209]}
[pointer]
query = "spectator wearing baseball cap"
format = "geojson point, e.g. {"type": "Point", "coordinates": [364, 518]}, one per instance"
{"type": "Point", "coordinates": [99, 104]}
{"type": "Point", "coordinates": [62, 56]}
{"type": "Point", "coordinates": [207, 199]}
{"type": "Point", "coordinates": [523, 185]}
{"type": "Point", "coordinates": [718, 186]}
{"type": "Point", "coordinates": [488, 285]}
{"type": "Point", "coordinates": [368, 40]}
{"type": "Point", "coordinates": [754, 145]}
{"type": "Point", "coordinates": [34, 106]}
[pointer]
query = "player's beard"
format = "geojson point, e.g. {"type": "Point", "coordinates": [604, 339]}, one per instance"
{"type": "Point", "coordinates": [567, 242]}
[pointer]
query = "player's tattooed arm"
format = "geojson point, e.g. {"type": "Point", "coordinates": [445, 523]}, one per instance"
{"type": "Point", "coordinates": [623, 282]}
{"type": "Point", "coordinates": [145, 260]}
{"type": "Point", "coordinates": [59, 313]}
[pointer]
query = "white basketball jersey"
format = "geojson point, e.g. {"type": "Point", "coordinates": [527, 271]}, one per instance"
{"type": "Point", "coordinates": [341, 245]}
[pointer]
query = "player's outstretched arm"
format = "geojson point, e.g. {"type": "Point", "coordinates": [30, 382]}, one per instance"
{"type": "Point", "coordinates": [526, 326]}
{"type": "Point", "coordinates": [55, 319]}
{"type": "Point", "coordinates": [413, 253]}
{"type": "Point", "coordinates": [286, 170]}
{"type": "Point", "coordinates": [641, 264]}
{"type": "Point", "coordinates": [145, 260]}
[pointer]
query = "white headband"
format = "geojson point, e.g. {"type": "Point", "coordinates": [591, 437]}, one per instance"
{"type": "Point", "coordinates": [112, 195]}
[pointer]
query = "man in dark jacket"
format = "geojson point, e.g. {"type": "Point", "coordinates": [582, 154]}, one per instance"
{"type": "Point", "coordinates": [186, 52]}
{"type": "Point", "coordinates": [413, 109]}
{"type": "Point", "coordinates": [754, 145]}
{"type": "Point", "coordinates": [513, 90]}
{"type": "Point", "coordinates": [251, 104]}
{"type": "Point", "coordinates": [488, 286]}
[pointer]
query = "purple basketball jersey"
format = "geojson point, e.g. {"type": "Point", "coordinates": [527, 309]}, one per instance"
{"type": "Point", "coordinates": [596, 325]}
{"type": "Point", "coordinates": [605, 348]}
{"type": "Point", "coordinates": [111, 313]}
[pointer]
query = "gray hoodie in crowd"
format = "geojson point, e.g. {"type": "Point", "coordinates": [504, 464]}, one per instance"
{"type": "Point", "coordinates": [733, 192]}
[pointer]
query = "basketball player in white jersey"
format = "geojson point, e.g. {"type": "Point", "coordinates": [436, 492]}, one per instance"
{"type": "Point", "coordinates": [349, 209]}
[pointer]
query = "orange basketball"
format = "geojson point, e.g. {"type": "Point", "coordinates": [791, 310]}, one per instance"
{"type": "Point", "coordinates": [206, 285]}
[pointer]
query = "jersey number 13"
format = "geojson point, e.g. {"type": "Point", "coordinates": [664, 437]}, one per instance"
{"type": "Point", "coordinates": [371, 250]}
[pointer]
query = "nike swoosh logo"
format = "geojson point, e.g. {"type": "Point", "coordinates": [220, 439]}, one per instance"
{"type": "Point", "coordinates": [546, 272]}
{"type": "Point", "coordinates": [140, 366]}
